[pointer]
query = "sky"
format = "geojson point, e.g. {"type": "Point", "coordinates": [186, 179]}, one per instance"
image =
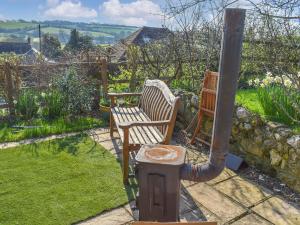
{"type": "Point", "coordinates": [125, 12]}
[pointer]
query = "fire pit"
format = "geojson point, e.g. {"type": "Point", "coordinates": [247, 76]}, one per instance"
{"type": "Point", "coordinates": [159, 182]}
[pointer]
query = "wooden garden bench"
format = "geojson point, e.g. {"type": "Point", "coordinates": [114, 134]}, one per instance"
{"type": "Point", "coordinates": [151, 122]}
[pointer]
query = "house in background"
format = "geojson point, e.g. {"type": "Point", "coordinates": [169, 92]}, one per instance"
{"type": "Point", "coordinates": [23, 49]}
{"type": "Point", "coordinates": [140, 37]}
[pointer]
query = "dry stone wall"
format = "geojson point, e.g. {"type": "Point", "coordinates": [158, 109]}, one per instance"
{"type": "Point", "coordinates": [272, 147]}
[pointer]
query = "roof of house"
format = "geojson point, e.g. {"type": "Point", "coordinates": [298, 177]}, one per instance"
{"type": "Point", "coordinates": [140, 37]}
{"type": "Point", "coordinates": [15, 47]}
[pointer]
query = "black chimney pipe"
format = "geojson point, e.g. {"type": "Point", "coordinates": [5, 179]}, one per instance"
{"type": "Point", "coordinates": [229, 68]}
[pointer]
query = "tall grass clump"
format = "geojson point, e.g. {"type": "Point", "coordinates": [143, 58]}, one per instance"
{"type": "Point", "coordinates": [53, 104]}
{"type": "Point", "coordinates": [27, 104]}
{"type": "Point", "coordinates": [280, 98]}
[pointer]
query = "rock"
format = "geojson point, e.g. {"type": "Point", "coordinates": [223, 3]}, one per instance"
{"type": "Point", "coordinates": [294, 141]}
{"type": "Point", "coordinates": [284, 132]}
{"type": "Point", "coordinates": [242, 113]}
{"type": "Point", "coordinates": [235, 130]}
{"type": "Point", "coordinates": [254, 122]}
{"type": "Point", "coordinates": [258, 132]}
{"type": "Point", "coordinates": [247, 126]}
{"type": "Point", "coordinates": [275, 158]}
{"type": "Point", "coordinates": [195, 101]}
{"type": "Point", "coordinates": [181, 108]}
{"type": "Point", "coordinates": [278, 137]}
{"type": "Point", "coordinates": [258, 139]}
{"type": "Point", "coordinates": [261, 177]}
{"type": "Point", "coordinates": [274, 125]}
{"type": "Point", "coordinates": [283, 164]}
{"type": "Point", "coordinates": [269, 143]}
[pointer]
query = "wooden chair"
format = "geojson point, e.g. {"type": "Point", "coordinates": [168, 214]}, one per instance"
{"type": "Point", "coordinates": [151, 122]}
{"type": "Point", "coordinates": [175, 223]}
{"type": "Point", "coordinates": [207, 103]}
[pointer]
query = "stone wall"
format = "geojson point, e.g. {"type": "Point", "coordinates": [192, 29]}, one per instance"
{"type": "Point", "coordinates": [269, 146]}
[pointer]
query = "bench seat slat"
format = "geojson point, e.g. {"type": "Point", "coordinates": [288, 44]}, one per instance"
{"type": "Point", "coordinates": [137, 135]}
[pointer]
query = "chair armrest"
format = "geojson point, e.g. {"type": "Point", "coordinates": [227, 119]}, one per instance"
{"type": "Point", "coordinates": [123, 94]}
{"type": "Point", "coordinates": [144, 124]}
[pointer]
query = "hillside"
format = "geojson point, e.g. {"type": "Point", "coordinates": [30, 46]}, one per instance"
{"type": "Point", "coordinates": [20, 30]}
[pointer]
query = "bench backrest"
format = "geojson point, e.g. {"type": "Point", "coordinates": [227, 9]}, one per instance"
{"type": "Point", "coordinates": [158, 102]}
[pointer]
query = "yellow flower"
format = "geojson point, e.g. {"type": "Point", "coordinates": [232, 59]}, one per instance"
{"type": "Point", "coordinates": [287, 83]}
{"type": "Point", "coordinates": [256, 81]}
{"type": "Point", "coordinates": [277, 79]}
{"type": "Point", "coordinates": [269, 74]}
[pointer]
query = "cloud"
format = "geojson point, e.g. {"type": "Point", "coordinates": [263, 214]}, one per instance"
{"type": "Point", "coordinates": [68, 9]}
{"type": "Point", "coordinates": [137, 13]}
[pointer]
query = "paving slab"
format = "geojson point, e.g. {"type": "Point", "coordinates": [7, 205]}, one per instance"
{"type": "Point", "coordinates": [193, 156]}
{"type": "Point", "coordinates": [251, 219]}
{"type": "Point", "coordinates": [215, 202]}
{"type": "Point", "coordinates": [186, 203]}
{"type": "Point", "coordinates": [225, 175]}
{"type": "Point", "coordinates": [243, 191]}
{"type": "Point", "coordinates": [278, 211]}
{"type": "Point", "coordinates": [199, 214]}
{"type": "Point", "coordinates": [115, 217]}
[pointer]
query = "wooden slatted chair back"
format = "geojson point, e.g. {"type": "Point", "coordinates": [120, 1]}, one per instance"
{"type": "Point", "coordinates": [158, 102]}
{"type": "Point", "coordinates": [207, 103]}
{"type": "Point", "coordinates": [208, 93]}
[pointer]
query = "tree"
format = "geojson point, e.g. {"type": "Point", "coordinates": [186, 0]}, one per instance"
{"type": "Point", "coordinates": [51, 46]}
{"type": "Point", "coordinates": [77, 42]}
{"type": "Point", "coordinates": [73, 43]}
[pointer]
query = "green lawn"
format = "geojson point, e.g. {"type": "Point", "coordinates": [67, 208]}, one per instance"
{"type": "Point", "coordinates": [44, 128]}
{"type": "Point", "coordinates": [249, 99]}
{"type": "Point", "coordinates": [58, 182]}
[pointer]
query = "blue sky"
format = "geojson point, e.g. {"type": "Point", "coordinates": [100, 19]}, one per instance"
{"type": "Point", "coordinates": [127, 12]}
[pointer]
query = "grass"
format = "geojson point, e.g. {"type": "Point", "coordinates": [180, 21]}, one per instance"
{"type": "Point", "coordinates": [16, 25]}
{"type": "Point", "coordinates": [250, 100]}
{"type": "Point", "coordinates": [45, 128]}
{"type": "Point", "coordinates": [58, 182]}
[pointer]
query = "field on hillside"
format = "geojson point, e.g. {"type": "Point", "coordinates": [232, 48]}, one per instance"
{"type": "Point", "coordinates": [101, 33]}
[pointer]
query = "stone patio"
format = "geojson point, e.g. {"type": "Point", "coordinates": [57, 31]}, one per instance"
{"type": "Point", "coordinates": [228, 199]}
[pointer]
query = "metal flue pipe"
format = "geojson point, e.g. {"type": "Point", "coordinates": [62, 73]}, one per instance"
{"type": "Point", "coordinates": [229, 68]}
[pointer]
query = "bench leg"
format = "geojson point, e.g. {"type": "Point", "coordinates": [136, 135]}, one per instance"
{"type": "Point", "coordinates": [111, 125]}
{"type": "Point", "coordinates": [126, 155]}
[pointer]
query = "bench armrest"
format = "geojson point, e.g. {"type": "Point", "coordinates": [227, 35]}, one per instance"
{"type": "Point", "coordinates": [144, 124]}
{"type": "Point", "coordinates": [123, 94]}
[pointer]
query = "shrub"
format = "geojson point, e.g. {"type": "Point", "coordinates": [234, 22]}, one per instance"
{"type": "Point", "coordinates": [53, 104]}
{"type": "Point", "coordinates": [279, 97]}
{"type": "Point", "coordinates": [280, 105]}
{"type": "Point", "coordinates": [77, 93]}
{"type": "Point", "coordinates": [27, 104]}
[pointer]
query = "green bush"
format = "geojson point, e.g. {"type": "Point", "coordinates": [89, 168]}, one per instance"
{"type": "Point", "coordinates": [53, 104]}
{"type": "Point", "coordinates": [279, 103]}
{"type": "Point", "coordinates": [78, 94]}
{"type": "Point", "coordinates": [27, 104]}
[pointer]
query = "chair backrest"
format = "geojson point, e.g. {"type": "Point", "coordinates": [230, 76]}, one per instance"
{"type": "Point", "coordinates": [208, 93]}
{"type": "Point", "coordinates": [158, 102]}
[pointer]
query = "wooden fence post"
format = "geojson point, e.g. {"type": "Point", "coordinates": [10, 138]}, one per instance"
{"type": "Point", "coordinates": [9, 89]}
{"type": "Point", "coordinates": [104, 79]}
